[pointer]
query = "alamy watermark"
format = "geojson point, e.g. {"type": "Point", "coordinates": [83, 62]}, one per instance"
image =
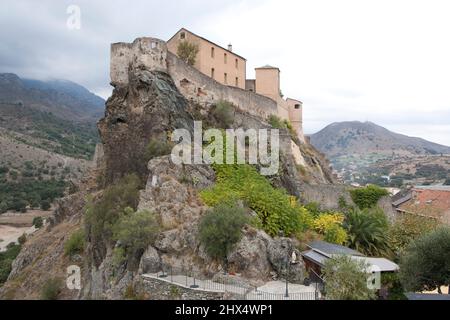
{"type": "Point", "coordinates": [73, 280]}
{"type": "Point", "coordinates": [234, 146]}
{"type": "Point", "coordinates": [74, 20]}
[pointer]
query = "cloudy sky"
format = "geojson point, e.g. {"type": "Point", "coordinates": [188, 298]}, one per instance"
{"type": "Point", "coordinates": [385, 61]}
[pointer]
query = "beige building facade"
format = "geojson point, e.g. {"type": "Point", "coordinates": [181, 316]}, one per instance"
{"type": "Point", "coordinates": [221, 64]}
{"type": "Point", "coordinates": [229, 68]}
{"type": "Point", "coordinates": [267, 83]}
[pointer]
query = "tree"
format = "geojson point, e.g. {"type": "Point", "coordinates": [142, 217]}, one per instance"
{"type": "Point", "coordinates": [425, 264]}
{"type": "Point", "coordinates": [136, 230]}
{"type": "Point", "coordinates": [346, 279]}
{"type": "Point", "coordinates": [75, 244]}
{"type": "Point", "coordinates": [19, 205]}
{"type": "Point", "coordinates": [407, 228]}
{"type": "Point", "coordinates": [38, 222]}
{"type": "Point", "coordinates": [101, 215]}
{"type": "Point", "coordinates": [45, 205]}
{"type": "Point", "coordinates": [51, 289]}
{"type": "Point", "coordinates": [220, 229]}
{"type": "Point", "coordinates": [368, 231]}
{"type": "Point", "coordinates": [367, 197]}
{"type": "Point", "coordinates": [22, 239]}
{"type": "Point", "coordinates": [188, 52]}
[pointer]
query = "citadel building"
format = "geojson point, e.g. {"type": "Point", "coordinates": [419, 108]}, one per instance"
{"type": "Point", "coordinates": [229, 68]}
{"type": "Point", "coordinates": [218, 74]}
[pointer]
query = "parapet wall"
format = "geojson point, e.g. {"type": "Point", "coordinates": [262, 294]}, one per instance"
{"type": "Point", "coordinates": [202, 89]}
{"type": "Point", "coordinates": [152, 54]}
{"type": "Point", "coordinates": [148, 53]}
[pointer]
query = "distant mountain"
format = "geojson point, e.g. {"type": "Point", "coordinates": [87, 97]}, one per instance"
{"type": "Point", "coordinates": [58, 115]}
{"type": "Point", "coordinates": [48, 134]}
{"type": "Point", "coordinates": [361, 138]}
{"type": "Point", "coordinates": [64, 99]}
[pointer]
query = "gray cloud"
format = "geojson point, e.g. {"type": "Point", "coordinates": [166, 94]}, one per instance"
{"type": "Point", "coordinates": [313, 42]}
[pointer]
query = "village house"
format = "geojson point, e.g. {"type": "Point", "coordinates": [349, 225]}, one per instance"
{"type": "Point", "coordinates": [229, 69]}
{"type": "Point", "coordinates": [320, 252]}
{"type": "Point", "coordinates": [428, 201]}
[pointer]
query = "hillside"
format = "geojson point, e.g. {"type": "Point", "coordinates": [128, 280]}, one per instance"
{"type": "Point", "coordinates": [364, 152]}
{"type": "Point", "coordinates": [48, 136]}
{"type": "Point", "coordinates": [64, 99]}
{"type": "Point", "coordinates": [135, 178]}
{"type": "Point", "coordinates": [353, 137]}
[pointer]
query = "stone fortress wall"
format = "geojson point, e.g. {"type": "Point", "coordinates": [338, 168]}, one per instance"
{"type": "Point", "coordinates": [152, 53]}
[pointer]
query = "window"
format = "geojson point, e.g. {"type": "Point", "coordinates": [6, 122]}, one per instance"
{"type": "Point", "coordinates": [212, 73]}
{"type": "Point", "coordinates": [225, 58]}
{"type": "Point", "coordinates": [297, 106]}
{"type": "Point", "coordinates": [225, 78]}
{"type": "Point", "coordinates": [237, 82]}
{"type": "Point", "coordinates": [182, 36]}
{"type": "Point", "coordinates": [212, 52]}
{"type": "Point", "coordinates": [236, 63]}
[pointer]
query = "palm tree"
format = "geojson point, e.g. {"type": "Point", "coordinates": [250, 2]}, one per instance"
{"type": "Point", "coordinates": [368, 231]}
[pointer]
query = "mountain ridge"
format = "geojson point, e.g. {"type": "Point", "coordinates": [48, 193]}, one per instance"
{"type": "Point", "coordinates": [63, 98]}
{"type": "Point", "coordinates": [350, 137]}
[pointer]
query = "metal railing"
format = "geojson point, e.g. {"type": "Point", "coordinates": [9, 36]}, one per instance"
{"type": "Point", "coordinates": [194, 281]}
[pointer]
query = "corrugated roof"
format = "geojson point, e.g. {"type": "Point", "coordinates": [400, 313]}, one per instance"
{"type": "Point", "coordinates": [330, 249]}
{"type": "Point", "coordinates": [402, 200]}
{"type": "Point", "coordinates": [378, 264]}
{"type": "Point", "coordinates": [315, 257]}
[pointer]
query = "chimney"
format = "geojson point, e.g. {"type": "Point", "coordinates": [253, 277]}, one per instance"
{"type": "Point", "coordinates": [230, 47]}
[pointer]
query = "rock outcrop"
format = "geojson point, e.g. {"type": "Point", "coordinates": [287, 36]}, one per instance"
{"type": "Point", "coordinates": [146, 105]}
{"type": "Point", "coordinates": [150, 107]}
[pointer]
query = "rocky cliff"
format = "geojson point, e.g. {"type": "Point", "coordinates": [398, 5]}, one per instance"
{"type": "Point", "coordinates": [149, 106]}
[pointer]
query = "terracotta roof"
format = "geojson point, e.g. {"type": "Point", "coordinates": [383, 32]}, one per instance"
{"type": "Point", "coordinates": [184, 29]}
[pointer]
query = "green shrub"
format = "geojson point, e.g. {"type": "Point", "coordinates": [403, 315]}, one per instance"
{"type": "Point", "coordinates": [368, 231]}
{"type": "Point", "coordinates": [391, 281]}
{"type": "Point", "coordinates": [223, 113]}
{"type": "Point", "coordinates": [6, 259]}
{"type": "Point", "coordinates": [101, 215]}
{"type": "Point", "coordinates": [22, 239]}
{"type": "Point", "coordinates": [51, 289]}
{"type": "Point", "coordinates": [367, 197]}
{"type": "Point", "coordinates": [313, 208]}
{"type": "Point", "coordinates": [276, 122]}
{"type": "Point", "coordinates": [220, 229]}
{"type": "Point", "coordinates": [119, 256]}
{"type": "Point", "coordinates": [408, 228]}
{"type": "Point", "coordinates": [346, 279]}
{"type": "Point", "coordinates": [187, 52]}
{"type": "Point", "coordinates": [75, 244]}
{"type": "Point", "coordinates": [274, 208]}
{"type": "Point", "coordinates": [38, 222]}
{"type": "Point", "coordinates": [425, 264]}
{"type": "Point", "coordinates": [45, 205]}
{"type": "Point", "coordinates": [157, 148]}
{"type": "Point", "coordinates": [175, 292]}
{"type": "Point", "coordinates": [136, 230]}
